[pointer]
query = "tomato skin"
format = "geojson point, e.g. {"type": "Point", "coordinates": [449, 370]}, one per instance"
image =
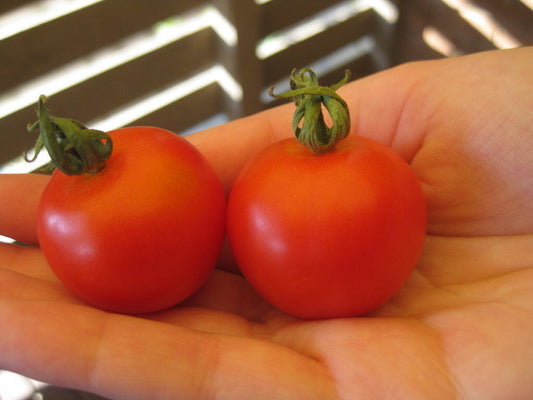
{"type": "Point", "coordinates": [141, 235]}
{"type": "Point", "coordinates": [323, 236]}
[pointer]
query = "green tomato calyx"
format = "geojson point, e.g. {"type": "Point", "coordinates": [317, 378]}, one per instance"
{"type": "Point", "coordinates": [73, 148]}
{"type": "Point", "coordinates": [308, 122]}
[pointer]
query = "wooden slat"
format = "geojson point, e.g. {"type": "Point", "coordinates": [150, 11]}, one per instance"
{"type": "Point", "coordinates": [186, 112]}
{"type": "Point", "coordinates": [316, 47]}
{"type": "Point", "coordinates": [465, 37]}
{"type": "Point", "coordinates": [10, 5]}
{"type": "Point", "coordinates": [175, 117]}
{"type": "Point", "coordinates": [408, 41]}
{"type": "Point", "coordinates": [280, 14]}
{"type": "Point", "coordinates": [95, 27]}
{"type": "Point", "coordinates": [48, 46]}
{"type": "Point", "coordinates": [138, 78]}
{"type": "Point", "coordinates": [108, 91]}
{"type": "Point", "coordinates": [415, 15]}
{"type": "Point", "coordinates": [513, 15]}
{"type": "Point", "coordinates": [240, 60]}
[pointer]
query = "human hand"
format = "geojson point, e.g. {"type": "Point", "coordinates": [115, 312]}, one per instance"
{"type": "Point", "coordinates": [461, 327]}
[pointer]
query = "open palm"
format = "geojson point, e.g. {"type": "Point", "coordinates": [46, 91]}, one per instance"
{"type": "Point", "coordinates": [462, 326]}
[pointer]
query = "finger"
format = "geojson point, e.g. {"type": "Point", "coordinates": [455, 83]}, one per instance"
{"type": "Point", "coordinates": [475, 162]}
{"type": "Point", "coordinates": [474, 259]}
{"type": "Point", "coordinates": [110, 355]}
{"type": "Point", "coordinates": [28, 261]}
{"type": "Point", "coordinates": [16, 287]}
{"type": "Point", "coordinates": [25, 275]}
{"type": "Point", "coordinates": [19, 196]}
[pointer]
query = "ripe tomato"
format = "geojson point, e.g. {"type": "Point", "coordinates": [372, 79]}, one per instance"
{"type": "Point", "coordinates": [140, 235]}
{"type": "Point", "coordinates": [329, 235]}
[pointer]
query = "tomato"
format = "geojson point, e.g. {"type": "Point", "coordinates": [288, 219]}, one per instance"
{"type": "Point", "coordinates": [143, 233]}
{"type": "Point", "coordinates": [327, 235]}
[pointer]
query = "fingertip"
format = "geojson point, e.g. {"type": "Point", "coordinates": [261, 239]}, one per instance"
{"type": "Point", "coordinates": [19, 197]}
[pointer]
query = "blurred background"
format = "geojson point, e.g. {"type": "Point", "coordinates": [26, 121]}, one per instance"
{"type": "Point", "coordinates": [186, 65]}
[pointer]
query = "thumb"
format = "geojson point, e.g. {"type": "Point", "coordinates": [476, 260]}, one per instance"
{"type": "Point", "coordinates": [465, 126]}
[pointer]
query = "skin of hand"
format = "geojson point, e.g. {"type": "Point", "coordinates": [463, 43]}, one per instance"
{"type": "Point", "coordinates": [460, 328]}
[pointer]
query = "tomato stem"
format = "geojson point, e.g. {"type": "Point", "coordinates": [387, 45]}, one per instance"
{"type": "Point", "coordinates": [309, 97]}
{"type": "Point", "coordinates": [73, 148]}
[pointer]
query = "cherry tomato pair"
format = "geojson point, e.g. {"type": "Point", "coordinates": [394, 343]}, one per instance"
{"type": "Point", "coordinates": [322, 225]}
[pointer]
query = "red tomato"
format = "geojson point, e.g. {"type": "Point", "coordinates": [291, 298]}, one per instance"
{"type": "Point", "coordinates": [142, 234]}
{"type": "Point", "coordinates": [332, 235]}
